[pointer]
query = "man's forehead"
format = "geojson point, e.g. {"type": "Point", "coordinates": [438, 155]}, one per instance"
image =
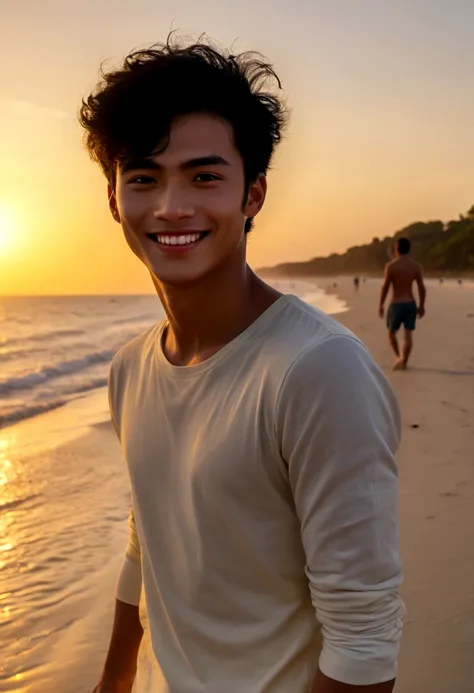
{"type": "Point", "coordinates": [194, 138]}
{"type": "Point", "coordinates": [201, 131]}
{"type": "Point", "coordinates": [188, 126]}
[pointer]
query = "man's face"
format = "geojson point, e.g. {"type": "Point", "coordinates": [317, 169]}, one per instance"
{"type": "Point", "coordinates": [182, 211]}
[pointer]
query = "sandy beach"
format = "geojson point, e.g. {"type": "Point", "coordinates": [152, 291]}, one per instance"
{"type": "Point", "coordinates": [62, 617]}
{"type": "Point", "coordinates": [436, 482]}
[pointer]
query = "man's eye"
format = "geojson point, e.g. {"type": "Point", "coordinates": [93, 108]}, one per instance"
{"type": "Point", "coordinates": [206, 178]}
{"type": "Point", "coordinates": [142, 180]}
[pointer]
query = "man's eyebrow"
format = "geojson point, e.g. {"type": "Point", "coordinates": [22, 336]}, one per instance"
{"type": "Point", "coordinates": [143, 163]}
{"type": "Point", "coordinates": [210, 160]}
{"type": "Point", "coordinates": [146, 163]}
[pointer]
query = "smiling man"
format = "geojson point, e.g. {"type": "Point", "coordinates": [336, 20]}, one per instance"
{"type": "Point", "coordinates": [258, 433]}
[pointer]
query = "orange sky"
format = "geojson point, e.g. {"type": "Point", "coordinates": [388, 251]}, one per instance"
{"type": "Point", "coordinates": [381, 129]}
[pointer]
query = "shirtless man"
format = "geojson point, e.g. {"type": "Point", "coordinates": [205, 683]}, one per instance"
{"type": "Point", "coordinates": [400, 274]}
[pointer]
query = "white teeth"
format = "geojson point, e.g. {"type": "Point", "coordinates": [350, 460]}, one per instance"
{"type": "Point", "coordinates": [178, 240]}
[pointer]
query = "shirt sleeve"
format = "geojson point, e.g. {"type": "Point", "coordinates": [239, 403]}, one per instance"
{"type": "Point", "coordinates": [129, 585]}
{"type": "Point", "coordinates": [112, 386]}
{"type": "Point", "coordinates": [338, 425]}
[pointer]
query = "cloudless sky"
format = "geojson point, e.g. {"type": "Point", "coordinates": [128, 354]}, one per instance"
{"type": "Point", "coordinates": [381, 132]}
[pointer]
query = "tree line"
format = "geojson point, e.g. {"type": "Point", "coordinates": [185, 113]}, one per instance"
{"type": "Point", "coordinates": [444, 249]}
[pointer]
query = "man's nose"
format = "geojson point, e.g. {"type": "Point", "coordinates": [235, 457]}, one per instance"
{"type": "Point", "coordinates": [173, 203]}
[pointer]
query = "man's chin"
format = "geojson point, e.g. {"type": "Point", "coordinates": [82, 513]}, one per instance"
{"type": "Point", "coordinates": [179, 276]}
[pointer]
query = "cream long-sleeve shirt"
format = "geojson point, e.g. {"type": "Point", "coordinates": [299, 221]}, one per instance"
{"type": "Point", "coordinates": [264, 527]}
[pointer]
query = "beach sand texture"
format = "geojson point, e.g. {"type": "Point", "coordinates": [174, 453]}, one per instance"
{"type": "Point", "coordinates": [436, 463]}
{"type": "Point", "coordinates": [57, 578]}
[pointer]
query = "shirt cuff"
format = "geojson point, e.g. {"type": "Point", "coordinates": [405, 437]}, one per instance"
{"type": "Point", "coordinates": [129, 585]}
{"type": "Point", "coordinates": [366, 662]}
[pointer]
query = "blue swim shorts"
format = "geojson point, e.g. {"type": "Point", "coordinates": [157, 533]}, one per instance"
{"type": "Point", "coordinates": [402, 314]}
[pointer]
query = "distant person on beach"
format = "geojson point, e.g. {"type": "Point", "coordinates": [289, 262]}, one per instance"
{"type": "Point", "coordinates": [400, 275]}
{"type": "Point", "coordinates": [356, 283]}
{"type": "Point", "coordinates": [258, 433]}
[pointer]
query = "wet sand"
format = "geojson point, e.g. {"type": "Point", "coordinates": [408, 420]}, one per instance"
{"type": "Point", "coordinates": [64, 505]}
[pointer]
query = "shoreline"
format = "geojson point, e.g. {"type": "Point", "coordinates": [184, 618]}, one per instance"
{"type": "Point", "coordinates": [58, 426]}
{"type": "Point", "coordinates": [56, 420]}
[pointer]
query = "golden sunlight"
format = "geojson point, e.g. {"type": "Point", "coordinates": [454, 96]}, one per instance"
{"type": "Point", "coordinates": [9, 229]}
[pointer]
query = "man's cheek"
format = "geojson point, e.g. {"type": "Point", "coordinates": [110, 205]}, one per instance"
{"type": "Point", "coordinates": [132, 240]}
{"type": "Point", "coordinates": [227, 209]}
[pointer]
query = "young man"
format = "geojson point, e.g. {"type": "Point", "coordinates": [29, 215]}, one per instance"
{"type": "Point", "coordinates": [258, 433]}
{"type": "Point", "coordinates": [401, 274]}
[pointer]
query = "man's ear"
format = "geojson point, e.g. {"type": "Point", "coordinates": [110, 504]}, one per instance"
{"type": "Point", "coordinates": [113, 204]}
{"type": "Point", "coordinates": [256, 196]}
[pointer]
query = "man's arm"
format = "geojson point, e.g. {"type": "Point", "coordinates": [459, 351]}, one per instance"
{"type": "Point", "coordinates": [120, 666]}
{"type": "Point", "coordinates": [121, 662]}
{"type": "Point", "coordinates": [385, 289]}
{"type": "Point", "coordinates": [339, 426]}
{"type": "Point", "coordinates": [421, 291]}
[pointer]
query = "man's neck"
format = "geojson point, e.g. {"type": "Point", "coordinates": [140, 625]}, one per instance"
{"type": "Point", "coordinates": [206, 316]}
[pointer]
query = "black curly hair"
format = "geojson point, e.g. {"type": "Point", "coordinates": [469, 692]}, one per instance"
{"type": "Point", "coordinates": [131, 111]}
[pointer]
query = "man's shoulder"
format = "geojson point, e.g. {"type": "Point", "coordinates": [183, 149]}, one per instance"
{"type": "Point", "coordinates": [303, 329]}
{"type": "Point", "coordinates": [404, 261]}
{"type": "Point", "coordinates": [392, 264]}
{"type": "Point", "coordinates": [328, 360]}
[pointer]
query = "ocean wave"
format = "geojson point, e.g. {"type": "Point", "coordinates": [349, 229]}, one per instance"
{"type": "Point", "coordinates": [147, 318]}
{"type": "Point", "coordinates": [19, 411]}
{"type": "Point", "coordinates": [55, 350]}
{"type": "Point", "coordinates": [42, 337]}
{"type": "Point", "coordinates": [32, 379]}
{"type": "Point", "coordinates": [28, 411]}
{"type": "Point", "coordinates": [15, 354]}
{"type": "Point", "coordinates": [58, 333]}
